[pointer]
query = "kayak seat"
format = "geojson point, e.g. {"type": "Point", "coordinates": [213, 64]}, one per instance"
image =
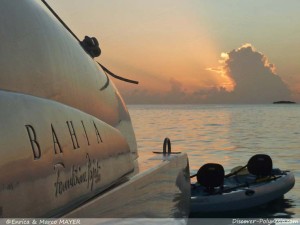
{"type": "Point", "coordinates": [260, 165]}
{"type": "Point", "coordinates": [211, 175]}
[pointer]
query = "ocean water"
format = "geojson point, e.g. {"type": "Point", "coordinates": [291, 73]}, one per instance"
{"type": "Point", "coordinates": [229, 135]}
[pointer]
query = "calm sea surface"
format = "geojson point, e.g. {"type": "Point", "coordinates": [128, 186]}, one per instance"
{"type": "Point", "coordinates": [229, 135]}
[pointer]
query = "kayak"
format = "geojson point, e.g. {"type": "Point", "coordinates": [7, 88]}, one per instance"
{"type": "Point", "coordinates": [239, 190]}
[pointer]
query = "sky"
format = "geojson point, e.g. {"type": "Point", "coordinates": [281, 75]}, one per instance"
{"type": "Point", "coordinates": [194, 51]}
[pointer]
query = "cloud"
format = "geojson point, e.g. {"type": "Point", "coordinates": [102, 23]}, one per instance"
{"type": "Point", "coordinates": [174, 94]}
{"type": "Point", "coordinates": [254, 78]}
{"type": "Point", "coordinates": [248, 77]}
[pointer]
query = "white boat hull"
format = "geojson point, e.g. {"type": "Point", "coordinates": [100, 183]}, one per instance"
{"type": "Point", "coordinates": [258, 194]}
{"type": "Point", "coordinates": [67, 145]}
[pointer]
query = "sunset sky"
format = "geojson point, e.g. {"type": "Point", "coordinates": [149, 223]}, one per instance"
{"type": "Point", "coordinates": [195, 51]}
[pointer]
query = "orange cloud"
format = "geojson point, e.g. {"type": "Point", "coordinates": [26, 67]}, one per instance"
{"type": "Point", "coordinates": [252, 76]}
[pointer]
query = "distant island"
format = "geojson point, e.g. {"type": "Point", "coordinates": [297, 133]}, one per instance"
{"type": "Point", "coordinates": [284, 102]}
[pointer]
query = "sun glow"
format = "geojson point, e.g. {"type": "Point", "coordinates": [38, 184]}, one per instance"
{"type": "Point", "coordinates": [224, 56]}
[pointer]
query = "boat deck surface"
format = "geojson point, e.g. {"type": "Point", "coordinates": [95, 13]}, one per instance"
{"type": "Point", "coordinates": [158, 188]}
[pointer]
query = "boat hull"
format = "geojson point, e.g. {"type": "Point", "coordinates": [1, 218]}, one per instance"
{"type": "Point", "coordinates": [243, 198]}
{"type": "Point", "coordinates": [53, 157]}
{"type": "Point", "coordinates": [67, 142]}
{"type": "Point", "coordinates": [39, 57]}
{"type": "Point", "coordinates": [58, 161]}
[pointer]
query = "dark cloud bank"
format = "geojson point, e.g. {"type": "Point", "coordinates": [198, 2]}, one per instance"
{"type": "Point", "coordinates": [254, 78]}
